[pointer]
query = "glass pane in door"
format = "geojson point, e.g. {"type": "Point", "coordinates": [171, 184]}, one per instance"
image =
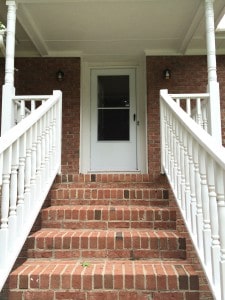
{"type": "Point", "coordinates": [113, 108]}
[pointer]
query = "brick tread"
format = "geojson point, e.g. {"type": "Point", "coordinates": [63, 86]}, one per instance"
{"type": "Point", "coordinates": [104, 274]}
{"type": "Point", "coordinates": [105, 178]}
{"type": "Point", "coordinates": [112, 244]}
{"type": "Point", "coordinates": [109, 185]}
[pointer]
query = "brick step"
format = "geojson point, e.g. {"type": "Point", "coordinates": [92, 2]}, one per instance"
{"type": "Point", "coordinates": [70, 194]}
{"type": "Point", "coordinates": [108, 217]}
{"type": "Point", "coordinates": [93, 279]}
{"type": "Point", "coordinates": [112, 244]}
{"type": "Point", "coordinates": [103, 178]}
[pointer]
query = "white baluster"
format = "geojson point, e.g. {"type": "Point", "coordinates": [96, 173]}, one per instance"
{"type": "Point", "coordinates": [215, 244]}
{"type": "Point", "coordinates": [33, 105]}
{"type": "Point", "coordinates": [171, 158]}
{"type": "Point", "coordinates": [192, 187]}
{"type": "Point", "coordinates": [199, 215]}
{"type": "Point", "coordinates": [43, 151]}
{"type": "Point", "coordinates": [175, 167]}
{"type": "Point", "coordinates": [199, 113]}
{"type": "Point", "coordinates": [39, 187]}
{"type": "Point", "coordinates": [54, 157]}
{"type": "Point", "coordinates": [182, 168]}
{"type": "Point", "coordinates": [188, 106]}
{"type": "Point", "coordinates": [178, 101]}
{"type": "Point", "coordinates": [51, 158]}
{"type": "Point", "coordinates": [4, 232]}
{"type": "Point", "coordinates": [33, 165]}
{"type": "Point", "coordinates": [187, 178]}
{"type": "Point", "coordinates": [22, 109]}
{"type": "Point", "coordinates": [178, 158]}
{"type": "Point", "coordinates": [47, 147]}
{"type": "Point", "coordinates": [21, 179]}
{"type": "Point", "coordinates": [166, 133]}
{"type": "Point", "coordinates": [205, 208]}
{"type": "Point", "coordinates": [59, 127]}
{"type": "Point", "coordinates": [27, 190]}
{"type": "Point", "coordinates": [219, 175]}
{"type": "Point", "coordinates": [205, 117]}
{"type": "Point", "coordinates": [16, 114]}
{"type": "Point", "coordinates": [13, 195]}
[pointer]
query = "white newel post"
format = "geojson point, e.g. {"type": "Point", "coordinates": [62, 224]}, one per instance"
{"type": "Point", "coordinates": [213, 85]}
{"type": "Point", "coordinates": [8, 89]}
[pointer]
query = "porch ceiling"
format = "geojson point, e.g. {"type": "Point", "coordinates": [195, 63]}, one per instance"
{"type": "Point", "coordinates": [112, 29]}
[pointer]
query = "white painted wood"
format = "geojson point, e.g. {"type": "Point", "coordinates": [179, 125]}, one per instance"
{"type": "Point", "coordinates": [205, 208]}
{"type": "Point", "coordinates": [196, 106]}
{"type": "Point", "coordinates": [113, 156]}
{"type": "Point", "coordinates": [114, 34]}
{"type": "Point", "coordinates": [8, 90]}
{"type": "Point", "coordinates": [34, 34]}
{"type": "Point", "coordinates": [215, 243]}
{"type": "Point", "coordinates": [26, 174]}
{"type": "Point", "coordinates": [202, 171]}
{"type": "Point", "coordinates": [13, 194]}
{"type": "Point", "coordinates": [213, 86]}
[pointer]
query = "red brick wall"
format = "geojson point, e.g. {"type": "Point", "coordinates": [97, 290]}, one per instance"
{"type": "Point", "coordinates": [37, 76]}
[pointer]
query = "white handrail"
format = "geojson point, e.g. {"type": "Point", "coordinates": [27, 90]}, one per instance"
{"type": "Point", "coordinates": [30, 158]}
{"type": "Point", "coordinates": [195, 166]}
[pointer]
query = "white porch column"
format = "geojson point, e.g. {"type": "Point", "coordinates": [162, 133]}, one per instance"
{"type": "Point", "coordinates": [8, 89]}
{"type": "Point", "coordinates": [213, 85]}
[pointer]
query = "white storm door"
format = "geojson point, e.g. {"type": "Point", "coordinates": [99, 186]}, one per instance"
{"type": "Point", "coordinates": [113, 120]}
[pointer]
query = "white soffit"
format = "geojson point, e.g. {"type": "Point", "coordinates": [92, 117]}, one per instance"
{"type": "Point", "coordinates": [101, 28]}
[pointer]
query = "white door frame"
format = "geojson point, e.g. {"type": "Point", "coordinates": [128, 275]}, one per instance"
{"type": "Point", "coordinates": [85, 113]}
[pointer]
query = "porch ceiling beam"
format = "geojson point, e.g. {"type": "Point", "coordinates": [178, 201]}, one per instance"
{"type": "Point", "coordinates": [30, 27]}
{"type": "Point", "coordinates": [199, 15]}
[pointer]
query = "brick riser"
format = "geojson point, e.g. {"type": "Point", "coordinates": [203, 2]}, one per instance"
{"type": "Point", "coordinates": [98, 241]}
{"type": "Point", "coordinates": [70, 194]}
{"type": "Point", "coordinates": [88, 217]}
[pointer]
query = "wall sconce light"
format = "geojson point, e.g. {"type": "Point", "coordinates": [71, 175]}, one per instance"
{"type": "Point", "coordinates": [167, 74]}
{"type": "Point", "coordinates": [60, 75]}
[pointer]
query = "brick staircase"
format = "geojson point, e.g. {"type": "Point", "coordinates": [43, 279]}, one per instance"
{"type": "Point", "coordinates": [109, 237]}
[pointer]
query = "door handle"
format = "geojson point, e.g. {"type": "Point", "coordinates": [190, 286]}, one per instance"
{"type": "Point", "coordinates": [134, 117]}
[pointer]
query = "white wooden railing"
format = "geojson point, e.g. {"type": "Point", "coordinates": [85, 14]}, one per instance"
{"type": "Point", "coordinates": [24, 105]}
{"type": "Point", "coordinates": [195, 105]}
{"type": "Point", "coordinates": [30, 158]}
{"type": "Point", "coordinates": [195, 166]}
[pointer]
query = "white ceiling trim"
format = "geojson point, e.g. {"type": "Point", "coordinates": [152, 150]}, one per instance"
{"type": "Point", "coordinates": [29, 26]}
{"type": "Point", "coordinates": [74, 1]}
{"type": "Point", "coordinates": [198, 17]}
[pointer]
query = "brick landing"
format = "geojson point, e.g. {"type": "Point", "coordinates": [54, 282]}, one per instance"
{"type": "Point", "coordinates": [108, 237]}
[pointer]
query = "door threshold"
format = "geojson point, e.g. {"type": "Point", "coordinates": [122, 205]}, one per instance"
{"type": "Point", "coordinates": [114, 172]}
